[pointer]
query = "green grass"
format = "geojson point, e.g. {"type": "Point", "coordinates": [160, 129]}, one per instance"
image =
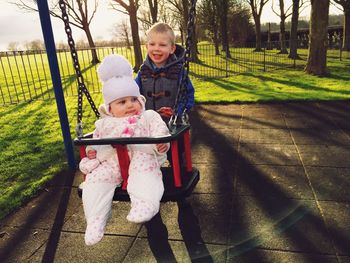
{"type": "Point", "coordinates": [31, 144]}
{"type": "Point", "coordinates": [278, 85]}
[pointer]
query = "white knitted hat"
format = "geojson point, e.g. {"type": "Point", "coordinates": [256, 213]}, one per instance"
{"type": "Point", "coordinates": [115, 72]}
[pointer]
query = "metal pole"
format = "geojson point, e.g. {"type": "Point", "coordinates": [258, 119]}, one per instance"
{"type": "Point", "coordinates": [56, 79]}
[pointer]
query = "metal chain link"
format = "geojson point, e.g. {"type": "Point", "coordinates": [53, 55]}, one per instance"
{"type": "Point", "coordinates": [182, 93]}
{"type": "Point", "coordinates": [81, 85]}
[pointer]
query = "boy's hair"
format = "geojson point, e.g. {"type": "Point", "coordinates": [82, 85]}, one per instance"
{"type": "Point", "coordinates": [161, 27]}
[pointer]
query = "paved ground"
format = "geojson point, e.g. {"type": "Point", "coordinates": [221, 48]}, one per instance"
{"type": "Point", "coordinates": [274, 187]}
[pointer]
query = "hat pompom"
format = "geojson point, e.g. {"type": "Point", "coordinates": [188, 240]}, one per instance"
{"type": "Point", "coordinates": [114, 66]}
{"type": "Point", "coordinates": [116, 75]}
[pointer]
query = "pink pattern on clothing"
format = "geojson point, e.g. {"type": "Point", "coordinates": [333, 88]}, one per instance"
{"type": "Point", "coordinates": [127, 132]}
{"type": "Point", "coordinates": [145, 185]}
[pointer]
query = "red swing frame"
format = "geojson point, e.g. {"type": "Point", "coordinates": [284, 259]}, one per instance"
{"type": "Point", "coordinates": [180, 135]}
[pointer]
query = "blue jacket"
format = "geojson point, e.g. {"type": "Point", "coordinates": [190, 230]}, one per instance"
{"type": "Point", "coordinates": [160, 85]}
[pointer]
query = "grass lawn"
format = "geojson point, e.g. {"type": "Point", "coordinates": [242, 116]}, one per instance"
{"type": "Point", "coordinates": [278, 85]}
{"type": "Point", "coordinates": [31, 140]}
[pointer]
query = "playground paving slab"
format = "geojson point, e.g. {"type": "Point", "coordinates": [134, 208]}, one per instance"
{"type": "Point", "coordinates": [273, 188]}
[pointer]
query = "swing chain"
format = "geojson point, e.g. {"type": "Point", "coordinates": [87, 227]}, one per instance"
{"type": "Point", "coordinates": [182, 94]}
{"type": "Point", "coordinates": [81, 85]}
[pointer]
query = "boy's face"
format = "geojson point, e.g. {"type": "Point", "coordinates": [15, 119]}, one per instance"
{"type": "Point", "coordinates": [125, 107]}
{"type": "Point", "coordinates": [159, 48]}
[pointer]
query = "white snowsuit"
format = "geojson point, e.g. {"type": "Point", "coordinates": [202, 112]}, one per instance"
{"type": "Point", "coordinates": [145, 185]}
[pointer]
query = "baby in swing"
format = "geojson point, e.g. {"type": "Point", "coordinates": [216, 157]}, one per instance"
{"type": "Point", "coordinates": [123, 114]}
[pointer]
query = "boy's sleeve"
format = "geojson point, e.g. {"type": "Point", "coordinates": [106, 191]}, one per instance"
{"type": "Point", "coordinates": [190, 93]}
{"type": "Point", "coordinates": [139, 82]}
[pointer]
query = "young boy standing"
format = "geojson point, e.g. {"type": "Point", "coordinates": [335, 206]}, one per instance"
{"type": "Point", "coordinates": [161, 72]}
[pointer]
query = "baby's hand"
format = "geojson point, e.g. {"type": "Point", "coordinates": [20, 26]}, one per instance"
{"type": "Point", "coordinates": [162, 148]}
{"type": "Point", "coordinates": [91, 154]}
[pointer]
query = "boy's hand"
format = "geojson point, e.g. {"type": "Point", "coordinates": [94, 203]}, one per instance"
{"type": "Point", "coordinates": [91, 154]}
{"type": "Point", "coordinates": [165, 112]}
{"type": "Point", "coordinates": [162, 147]}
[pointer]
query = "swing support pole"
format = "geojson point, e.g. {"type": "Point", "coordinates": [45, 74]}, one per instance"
{"type": "Point", "coordinates": [56, 79]}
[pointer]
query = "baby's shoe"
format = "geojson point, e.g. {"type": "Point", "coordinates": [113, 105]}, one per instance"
{"type": "Point", "coordinates": [141, 211]}
{"type": "Point", "coordinates": [94, 231]}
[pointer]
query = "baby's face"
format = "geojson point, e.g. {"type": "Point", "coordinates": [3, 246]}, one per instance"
{"type": "Point", "coordinates": [125, 107]}
{"type": "Point", "coordinates": [159, 48]}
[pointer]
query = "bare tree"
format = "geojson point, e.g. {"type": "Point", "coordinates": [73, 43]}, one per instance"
{"type": "Point", "coordinates": [13, 46]}
{"type": "Point", "coordinates": [346, 29]}
{"type": "Point", "coordinates": [239, 14]}
{"type": "Point", "coordinates": [283, 15]}
{"type": "Point", "coordinates": [36, 45]}
{"type": "Point", "coordinates": [77, 10]}
{"type": "Point", "coordinates": [256, 8]}
{"type": "Point", "coordinates": [122, 30]}
{"type": "Point", "coordinates": [131, 10]}
{"type": "Point", "coordinates": [152, 12]}
{"type": "Point", "coordinates": [293, 39]}
{"type": "Point", "coordinates": [223, 11]}
{"type": "Point", "coordinates": [208, 17]}
{"type": "Point", "coordinates": [181, 9]}
{"type": "Point", "coordinates": [153, 8]}
{"type": "Point", "coordinates": [317, 56]}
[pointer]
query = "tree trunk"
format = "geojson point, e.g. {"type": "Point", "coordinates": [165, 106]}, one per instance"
{"type": "Point", "coordinates": [216, 40]}
{"type": "Point", "coordinates": [269, 44]}
{"type": "Point", "coordinates": [153, 7]}
{"type": "Point", "coordinates": [86, 28]}
{"type": "Point", "coordinates": [346, 30]}
{"type": "Point", "coordinates": [282, 35]}
{"type": "Point", "coordinates": [135, 36]}
{"type": "Point", "coordinates": [293, 39]}
{"type": "Point", "coordinates": [257, 33]}
{"type": "Point", "coordinates": [214, 25]}
{"type": "Point", "coordinates": [282, 29]}
{"type": "Point", "coordinates": [185, 18]}
{"type": "Point", "coordinates": [317, 56]}
{"type": "Point", "coordinates": [194, 48]}
{"type": "Point", "coordinates": [223, 23]}
{"type": "Point", "coordinates": [92, 46]}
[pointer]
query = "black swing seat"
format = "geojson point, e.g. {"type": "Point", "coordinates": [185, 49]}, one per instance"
{"type": "Point", "coordinates": [179, 179]}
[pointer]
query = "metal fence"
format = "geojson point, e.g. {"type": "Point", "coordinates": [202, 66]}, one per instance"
{"type": "Point", "coordinates": [25, 75]}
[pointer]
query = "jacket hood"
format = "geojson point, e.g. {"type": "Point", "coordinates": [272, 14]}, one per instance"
{"type": "Point", "coordinates": [175, 58]}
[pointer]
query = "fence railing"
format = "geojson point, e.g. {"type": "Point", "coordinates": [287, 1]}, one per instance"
{"type": "Point", "coordinates": [25, 75]}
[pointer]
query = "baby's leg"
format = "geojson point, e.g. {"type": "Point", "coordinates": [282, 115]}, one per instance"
{"type": "Point", "coordinates": [145, 187]}
{"type": "Point", "coordinates": [97, 199]}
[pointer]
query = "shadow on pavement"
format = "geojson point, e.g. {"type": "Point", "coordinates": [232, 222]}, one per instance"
{"type": "Point", "coordinates": [191, 233]}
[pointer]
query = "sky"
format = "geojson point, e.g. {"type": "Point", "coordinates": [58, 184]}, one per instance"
{"type": "Point", "coordinates": [19, 26]}
{"type": "Point", "coordinates": [22, 26]}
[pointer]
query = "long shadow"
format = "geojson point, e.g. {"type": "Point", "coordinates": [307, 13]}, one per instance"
{"type": "Point", "coordinates": [52, 243]}
{"type": "Point", "coordinates": [66, 80]}
{"type": "Point", "coordinates": [310, 113]}
{"type": "Point", "coordinates": [232, 85]}
{"type": "Point", "coordinates": [38, 151]}
{"type": "Point", "coordinates": [297, 84]}
{"type": "Point", "coordinates": [191, 233]}
{"type": "Point", "coordinates": [158, 240]}
{"type": "Point", "coordinates": [190, 230]}
{"type": "Point", "coordinates": [24, 230]}
{"type": "Point", "coordinates": [286, 212]}
{"type": "Point", "coordinates": [219, 144]}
